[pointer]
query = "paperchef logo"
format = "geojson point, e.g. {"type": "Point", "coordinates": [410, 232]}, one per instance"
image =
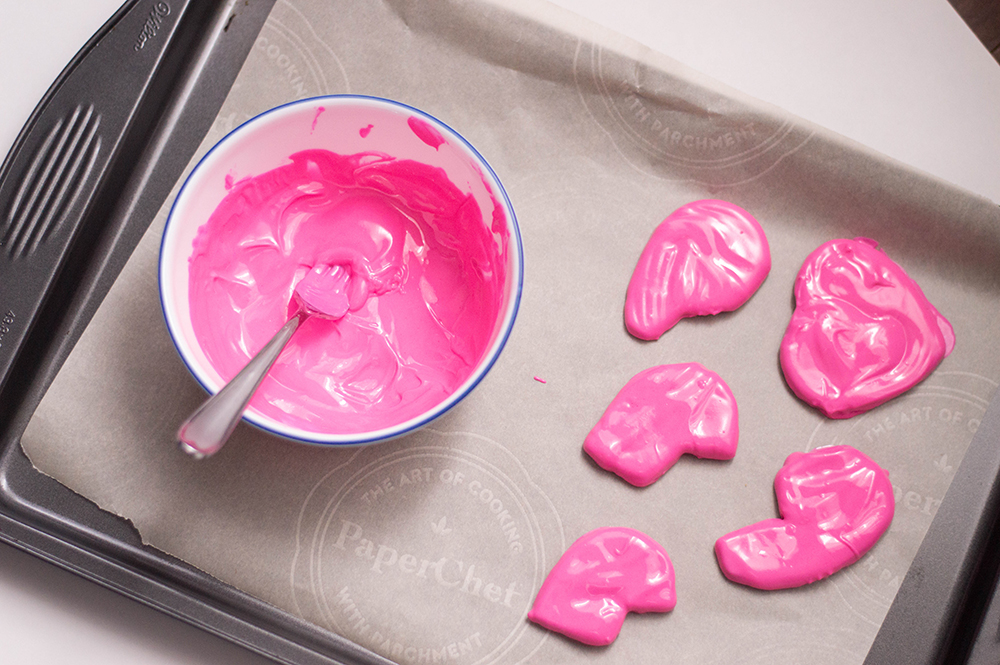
{"type": "Point", "coordinates": [666, 126]}
{"type": "Point", "coordinates": [920, 439]}
{"type": "Point", "coordinates": [428, 552]}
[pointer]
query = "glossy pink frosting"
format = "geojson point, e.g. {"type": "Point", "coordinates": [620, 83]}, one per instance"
{"type": "Point", "coordinates": [835, 504]}
{"type": "Point", "coordinates": [425, 292]}
{"type": "Point", "coordinates": [862, 331]}
{"type": "Point", "coordinates": [602, 577]}
{"type": "Point", "coordinates": [660, 414]}
{"type": "Point", "coordinates": [707, 257]}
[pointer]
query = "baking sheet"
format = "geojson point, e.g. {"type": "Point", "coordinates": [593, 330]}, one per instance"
{"type": "Point", "coordinates": [430, 548]}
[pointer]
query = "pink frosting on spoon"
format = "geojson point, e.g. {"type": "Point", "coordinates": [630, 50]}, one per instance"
{"type": "Point", "coordinates": [862, 331]}
{"type": "Point", "coordinates": [835, 504]}
{"type": "Point", "coordinates": [660, 414]}
{"type": "Point", "coordinates": [425, 289]}
{"type": "Point", "coordinates": [706, 257]}
{"type": "Point", "coordinates": [602, 577]}
{"type": "Point", "coordinates": [325, 291]}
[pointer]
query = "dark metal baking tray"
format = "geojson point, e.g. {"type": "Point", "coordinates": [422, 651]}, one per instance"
{"type": "Point", "coordinates": [83, 182]}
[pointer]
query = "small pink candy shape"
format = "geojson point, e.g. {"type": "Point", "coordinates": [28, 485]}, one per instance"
{"type": "Point", "coordinates": [862, 331]}
{"type": "Point", "coordinates": [603, 576]}
{"type": "Point", "coordinates": [660, 414]}
{"type": "Point", "coordinates": [835, 504]}
{"type": "Point", "coordinates": [707, 257]}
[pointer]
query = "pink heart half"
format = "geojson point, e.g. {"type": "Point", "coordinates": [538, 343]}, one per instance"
{"type": "Point", "coordinates": [603, 576]}
{"type": "Point", "coordinates": [707, 257]}
{"type": "Point", "coordinates": [660, 414]}
{"type": "Point", "coordinates": [835, 504]}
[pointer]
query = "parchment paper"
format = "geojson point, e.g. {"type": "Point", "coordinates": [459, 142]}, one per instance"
{"type": "Point", "coordinates": [430, 548]}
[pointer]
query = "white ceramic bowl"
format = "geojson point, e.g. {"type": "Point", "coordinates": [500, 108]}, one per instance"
{"type": "Point", "coordinates": [265, 143]}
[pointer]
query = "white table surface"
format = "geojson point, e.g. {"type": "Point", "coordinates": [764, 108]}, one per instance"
{"type": "Point", "coordinates": [906, 78]}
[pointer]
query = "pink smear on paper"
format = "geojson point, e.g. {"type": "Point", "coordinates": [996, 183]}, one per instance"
{"type": "Point", "coordinates": [862, 331]}
{"type": "Point", "coordinates": [425, 132]}
{"type": "Point", "coordinates": [835, 504]}
{"type": "Point", "coordinates": [707, 257]}
{"type": "Point", "coordinates": [602, 577]}
{"type": "Point", "coordinates": [660, 414]}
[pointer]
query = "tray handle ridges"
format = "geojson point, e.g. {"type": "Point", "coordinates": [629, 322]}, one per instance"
{"type": "Point", "coordinates": [52, 182]}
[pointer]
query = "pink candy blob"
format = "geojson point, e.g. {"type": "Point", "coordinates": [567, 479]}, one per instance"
{"type": "Point", "coordinates": [603, 576]}
{"type": "Point", "coordinates": [707, 257]}
{"type": "Point", "coordinates": [425, 293]}
{"type": "Point", "coordinates": [835, 504]}
{"type": "Point", "coordinates": [862, 331]}
{"type": "Point", "coordinates": [660, 414]}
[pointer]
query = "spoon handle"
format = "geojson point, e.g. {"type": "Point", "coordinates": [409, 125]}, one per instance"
{"type": "Point", "coordinates": [205, 432]}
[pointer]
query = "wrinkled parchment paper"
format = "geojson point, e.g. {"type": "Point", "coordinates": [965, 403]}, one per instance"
{"type": "Point", "coordinates": [430, 548]}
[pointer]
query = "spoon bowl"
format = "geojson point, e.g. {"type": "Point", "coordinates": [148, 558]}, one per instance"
{"type": "Point", "coordinates": [322, 292]}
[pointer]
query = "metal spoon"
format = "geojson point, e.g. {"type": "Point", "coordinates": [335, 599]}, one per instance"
{"type": "Point", "coordinates": [322, 292]}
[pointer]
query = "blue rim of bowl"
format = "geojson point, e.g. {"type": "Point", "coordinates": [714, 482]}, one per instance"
{"type": "Point", "coordinates": [451, 400]}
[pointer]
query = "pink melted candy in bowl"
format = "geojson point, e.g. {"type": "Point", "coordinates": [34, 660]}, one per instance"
{"type": "Point", "coordinates": [404, 206]}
